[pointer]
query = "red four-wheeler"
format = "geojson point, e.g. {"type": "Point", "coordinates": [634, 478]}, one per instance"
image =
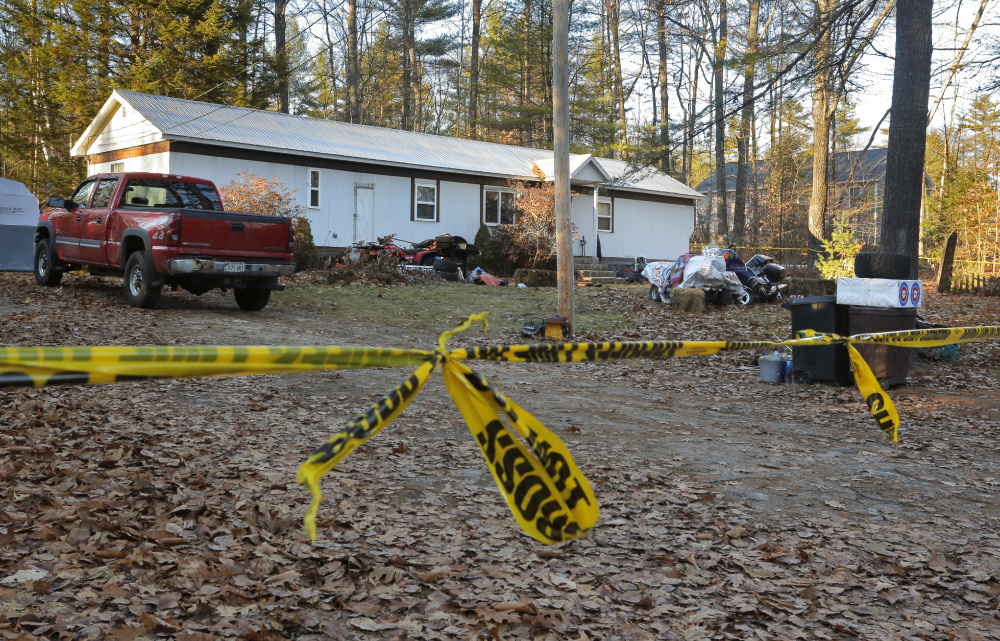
{"type": "Point", "coordinates": [159, 229]}
{"type": "Point", "coordinates": [446, 246]}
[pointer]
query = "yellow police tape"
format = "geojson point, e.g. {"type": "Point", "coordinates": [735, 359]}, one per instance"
{"type": "Point", "coordinates": [547, 493]}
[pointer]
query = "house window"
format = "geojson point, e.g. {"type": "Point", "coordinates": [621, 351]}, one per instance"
{"type": "Point", "coordinates": [425, 200]}
{"type": "Point", "coordinates": [117, 167]}
{"type": "Point", "coordinates": [855, 194]}
{"type": "Point", "coordinates": [605, 215]}
{"type": "Point", "coordinates": [314, 188]}
{"type": "Point", "coordinates": [499, 207]}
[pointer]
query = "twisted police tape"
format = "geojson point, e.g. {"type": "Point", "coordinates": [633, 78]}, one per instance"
{"type": "Point", "coordinates": [546, 492]}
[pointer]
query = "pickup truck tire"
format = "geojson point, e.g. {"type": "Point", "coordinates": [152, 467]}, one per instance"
{"type": "Point", "coordinates": [46, 265]}
{"type": "Point", "coordinates": [252, 299]}
{"type": "Point", "coordinates": [138, 291]}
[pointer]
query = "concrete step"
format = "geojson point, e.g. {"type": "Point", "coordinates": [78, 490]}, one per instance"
{"type": "Point", "coordinates": [587, 273]}
{"type": "Point", "coordinates": [584, 260]}
{"type": "Point", "coordinates": [604, 280]}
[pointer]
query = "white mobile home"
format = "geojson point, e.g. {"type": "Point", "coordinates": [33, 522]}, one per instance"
{"type": "Point", "coordinates": [360, 182]}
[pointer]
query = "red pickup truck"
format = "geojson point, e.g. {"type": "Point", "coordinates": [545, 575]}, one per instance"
{"type": "Point", "coordinates": [159, 229]}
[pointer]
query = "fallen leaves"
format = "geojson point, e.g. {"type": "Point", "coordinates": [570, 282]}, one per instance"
{"type": "Point", "coordinates": [168, 509]}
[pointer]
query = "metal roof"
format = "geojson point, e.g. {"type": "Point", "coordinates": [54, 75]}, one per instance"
{"type": "Point", "coordinates": [179, 119]}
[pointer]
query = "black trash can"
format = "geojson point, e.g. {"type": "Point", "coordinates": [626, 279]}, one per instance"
{"type": "Point", "coordinates": [889, 364]}
{"type": "Point", "coordinates": [830, 363]}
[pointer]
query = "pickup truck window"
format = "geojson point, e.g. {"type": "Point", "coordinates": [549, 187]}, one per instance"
{"type": "Point", "coordinates": [105, 190]}
{"type": "Point", "coordinates": [82, 193]}
{"type": "Point", "coordinates": [165, 193]}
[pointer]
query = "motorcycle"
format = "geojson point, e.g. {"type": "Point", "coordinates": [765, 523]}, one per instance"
{"type": "Point", "coordinates": [760, 277]}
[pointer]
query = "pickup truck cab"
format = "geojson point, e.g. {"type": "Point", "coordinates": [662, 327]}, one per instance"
{"type": "Point", "coordinates": [159, 229]}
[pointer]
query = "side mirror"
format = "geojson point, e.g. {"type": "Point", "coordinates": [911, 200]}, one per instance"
{"type": "Point", "coordinates": [57, 202]}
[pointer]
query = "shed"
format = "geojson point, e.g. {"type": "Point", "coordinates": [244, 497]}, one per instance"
{"type": "Point", "coordinates": [359, 182]}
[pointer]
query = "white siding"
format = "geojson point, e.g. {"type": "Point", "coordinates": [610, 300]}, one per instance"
{"type": "Point", "coordinates": [459, 210]}
{"type": "Point", "coordinates": [333, 222]}
{"type": "Point", "coordinates": [641, 228]}
{"type": "Point", "coordinates": [652, 230]}
{"type": "Point", "coordinates": [126, 128]}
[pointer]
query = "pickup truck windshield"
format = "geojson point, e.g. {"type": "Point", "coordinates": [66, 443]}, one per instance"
{"type": "Point", "coordinates": [163, 193]}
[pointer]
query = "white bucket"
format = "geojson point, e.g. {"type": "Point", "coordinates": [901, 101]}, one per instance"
{"type": "Point", "coordinates": [772, 371]}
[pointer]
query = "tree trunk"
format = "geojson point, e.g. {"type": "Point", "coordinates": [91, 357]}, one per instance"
{"type": "Point", "coordinates": [614, 17]}
{"type": "Point", "coordinates": [904, 165]}
{"type": "Point", "coordinates": [661, 41]}
{"type": "Point", "coordinates": [353, 76]}
{"type": "Point", "coordinates": [821, 129]}
{"type": "Point", "coordinates": [947, 262]}
{"type": "Point", "coordinates": [526, 114]}
{"type": "Point", "coordinates": [280, 55]}
{"type": "Point", "coordinates": [474, 72]}
{"type": "Point", "coordinates": [409, 62]}
{"type": "Point", "coordinates": [746, 123]}
{"type": "Point", "coordinates": [722, 211]}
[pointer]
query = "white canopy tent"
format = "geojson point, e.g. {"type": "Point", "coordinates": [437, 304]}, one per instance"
{"type": "Point", "coordinates": [18, 219]}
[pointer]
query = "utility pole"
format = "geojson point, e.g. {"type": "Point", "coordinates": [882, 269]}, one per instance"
{"type": "Point", "coordinates": [560, 135]}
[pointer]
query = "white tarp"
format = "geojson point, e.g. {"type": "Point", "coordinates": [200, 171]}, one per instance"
{"type": "Point", "coordinates": [18, 219]}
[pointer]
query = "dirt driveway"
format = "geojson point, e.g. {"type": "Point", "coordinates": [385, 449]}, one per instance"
{"type": "Point", "coordinates": [729, 508]}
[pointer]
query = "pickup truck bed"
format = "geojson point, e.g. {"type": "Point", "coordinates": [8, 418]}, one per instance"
{"type": "Point", "coordinates": [184, 239]}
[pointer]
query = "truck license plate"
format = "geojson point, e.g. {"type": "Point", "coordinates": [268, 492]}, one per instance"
{"type": "Point", "coordinates": [235, 267]}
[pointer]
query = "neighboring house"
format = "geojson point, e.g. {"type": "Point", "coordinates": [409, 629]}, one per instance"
{"type": "Point", "coordinates": [856, 189]}
{"type": "Point", "coordinates": [359, 182]}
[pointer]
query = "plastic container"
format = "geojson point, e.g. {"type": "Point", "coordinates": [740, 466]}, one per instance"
{"type": "Point", "coordinates": [889, 364]}
{"type": "Point", "coordinates": [827, 364]}
{"type": "Point", "coordinates": [772, 371]}
{"type": "Point", "coordinates": [831, 364]}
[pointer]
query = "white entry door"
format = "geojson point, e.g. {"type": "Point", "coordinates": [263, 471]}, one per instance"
{"type": "Point", "coordinates": [364, 212]}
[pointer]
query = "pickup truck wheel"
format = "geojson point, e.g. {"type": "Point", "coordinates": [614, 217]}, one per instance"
{"type": "Point", "coordinates": [45, 265]}
{"type": "Point", "coordinates": [252, 299]}
{"type": "Point", "coordinates": [138, 291]}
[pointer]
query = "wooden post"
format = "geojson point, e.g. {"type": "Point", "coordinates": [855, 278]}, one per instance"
{"type": "Point", "coordinates": [560, 136]}
{"type": "Point", "coordinates": [944, 275]}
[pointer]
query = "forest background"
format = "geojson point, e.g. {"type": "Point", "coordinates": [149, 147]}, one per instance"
{"type": "Point", "coordinates": [775, 86]}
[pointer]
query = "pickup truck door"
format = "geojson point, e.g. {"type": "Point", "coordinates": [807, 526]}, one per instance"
{"type": "Point", "coordinates": [67, 223]}
{"type": "Point", "coordinates": [94, 226]}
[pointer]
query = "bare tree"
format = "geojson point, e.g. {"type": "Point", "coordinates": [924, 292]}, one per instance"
{"type": "Point", "coordinates": [746, 122]}
{"type": "Point", "coordinates": [718, 70]}
{"type": "Point", "coordinates": [474, 71]}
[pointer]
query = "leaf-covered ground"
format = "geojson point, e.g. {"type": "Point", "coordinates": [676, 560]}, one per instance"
{"type": "Point", "coordinates": [730, 509]}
